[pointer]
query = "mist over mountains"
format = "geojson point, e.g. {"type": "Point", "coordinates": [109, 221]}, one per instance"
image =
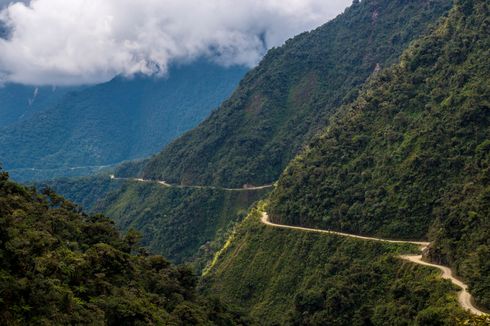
{"type": "Point", "coordinates": [56, 42]}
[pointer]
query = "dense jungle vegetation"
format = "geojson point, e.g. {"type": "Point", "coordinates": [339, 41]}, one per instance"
{"type": "Point", "coordinates": [279, 105]}
{"type": "Point", "coordinates": [61, 267]}
{"type": "Point", "coordinates": [412, 153]}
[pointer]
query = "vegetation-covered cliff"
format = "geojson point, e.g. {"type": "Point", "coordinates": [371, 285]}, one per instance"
{"type": "Point", "coordinates": [185, 225]}
{"type": "Point", "coordinates": [411, 154]}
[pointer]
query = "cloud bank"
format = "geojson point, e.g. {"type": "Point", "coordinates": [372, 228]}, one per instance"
{"type": "Point", "coordinates": [63, 42]}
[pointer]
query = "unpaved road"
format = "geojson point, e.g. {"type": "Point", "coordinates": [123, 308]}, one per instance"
{"type": "Point", "coordinates": [165, 184]}
{"type": "Point", "coordinates": [464, 297]}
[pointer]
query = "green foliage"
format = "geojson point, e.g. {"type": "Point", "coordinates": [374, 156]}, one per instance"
{"type": "Point", "coordinates": [113, 122]}
{"type": "Point", "coordinates": [476, 321]}
{"type": "Point", "coordinates": [288, 97]}
{"type": "Point", "coordinates": [62, 267]}
{"type": "Point", "coordinates": [286, 277]}
{"type": "Point", "coordinates": [411, 153]}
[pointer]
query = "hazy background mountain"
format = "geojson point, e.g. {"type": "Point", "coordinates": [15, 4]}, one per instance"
{"type": "Point", "coordinates": [108, 123]}
{"type": "Point", "coordinates": [20, 102]}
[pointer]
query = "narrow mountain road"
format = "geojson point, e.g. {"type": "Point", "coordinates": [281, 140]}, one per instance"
{"type": "Point", "coordinates": [165, 184]}
{"type": "Point", "coordinates": [98, 167]}
{"type": "Point", "coordinates": [464, 297]}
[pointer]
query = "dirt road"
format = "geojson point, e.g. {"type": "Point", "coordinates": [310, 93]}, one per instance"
{"type": "Point", "coordinates": [165, 184]}
{"type": "Point", "coordinates": [464, 297]}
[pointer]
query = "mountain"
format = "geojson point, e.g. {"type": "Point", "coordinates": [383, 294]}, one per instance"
{"type": "Point", "coordinates": [120, 120]}
{"type": "Point", "coordinates": [63, 267]}
{"type": "Point", "coordinates": [410, 158]}
{"type": "Point", "coordinates": [168, 223]}
{"type": "Point", "coordinates": [283, 102]}
{"type": "Point", "coordinates": [403, 156]}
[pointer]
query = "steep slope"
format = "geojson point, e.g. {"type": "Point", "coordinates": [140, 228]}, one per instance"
{"type": "Point", "coordinates": [411, 154]}
{"type": "Point", "coordinates": [62, 267]}
{"type": "Point", "coordinates": [292, 277]}
{"type": "Point", "coordinates": [287, 98]}
{"type": "Point", "coordinates": [116, 121]}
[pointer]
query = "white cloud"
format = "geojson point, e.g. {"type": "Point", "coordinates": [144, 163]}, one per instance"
{"type": "Point", "coordinates": [87, 41]}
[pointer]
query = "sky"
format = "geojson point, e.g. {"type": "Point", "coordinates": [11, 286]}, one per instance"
{"type": "Point", "coordinates": [70, 42]}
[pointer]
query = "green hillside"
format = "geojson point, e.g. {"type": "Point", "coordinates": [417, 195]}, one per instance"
{"type": "Point", "coordinates": [285, 277]}
{"type": "Point", "coordinates": [391, 29]}
{"type": "Point", "coordinates": [63, 267]}
{"type": "Point", "coordinates": [411, 154]}
{"type": "Point", "coordinates": [288, 97]}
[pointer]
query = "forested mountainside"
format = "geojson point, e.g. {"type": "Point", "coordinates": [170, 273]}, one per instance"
{"type": "Point", "coordinates": [411, 154]}
{"type": "Point", "coordinates": [116, 121]}
{"type": "Point", "coordinates": [287, 277]}
{"type": "Point", "coordinates": [288, 97]}
{"type": "Point", "coordinates": [408, 18]}
{"type": "Point", "coordinates": [63, 267]}
{"type": "Point", "coordinates": [19, 102]}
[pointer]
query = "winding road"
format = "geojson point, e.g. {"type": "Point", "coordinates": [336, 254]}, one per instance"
{"type": "Point", "coordinates": [165, 184]}
{"type": "Point", "coordinates": [464, 297]}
